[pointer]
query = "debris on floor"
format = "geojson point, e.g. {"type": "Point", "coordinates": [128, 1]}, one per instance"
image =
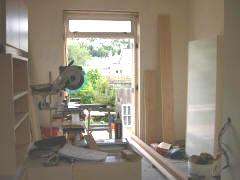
{"type": "Point", "coordinates": [204, 166]}
{"type": "Point", "coordinates": [175, 151]}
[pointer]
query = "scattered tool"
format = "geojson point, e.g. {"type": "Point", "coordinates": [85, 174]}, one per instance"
{"type": "Point", "coordinates": [91, 142]}
{"type": "Point", "coordinates": [52, 160]}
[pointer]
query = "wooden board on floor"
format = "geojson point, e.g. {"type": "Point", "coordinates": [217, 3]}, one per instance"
{"type": "Point", "coordinates": [164, 166]}
{"type": "Point", "coordinates": [166, 75]}
{"type": "Point", "coordinates": [152, 126]}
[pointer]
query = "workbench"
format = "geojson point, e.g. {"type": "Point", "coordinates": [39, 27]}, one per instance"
{"type": "Point", "coordinates": [114, 167]}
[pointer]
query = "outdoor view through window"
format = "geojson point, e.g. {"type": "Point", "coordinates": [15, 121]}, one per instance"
{"type": "Point", "coordinates": [108, 66]}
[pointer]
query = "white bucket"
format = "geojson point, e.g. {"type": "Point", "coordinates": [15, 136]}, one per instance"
{"type": "Point", "coordinates": [201, 171]}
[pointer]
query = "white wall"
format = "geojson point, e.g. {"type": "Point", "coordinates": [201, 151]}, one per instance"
{"type": "Point", "coordinates": [206, 18]}
{"type": "Point", "coordinates": [232, 86]}
{"type": "Point", "coordinates": [46, 40]}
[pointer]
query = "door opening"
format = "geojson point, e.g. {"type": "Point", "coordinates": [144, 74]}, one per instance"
{"type": "Point", "coordinates": [105, 47]}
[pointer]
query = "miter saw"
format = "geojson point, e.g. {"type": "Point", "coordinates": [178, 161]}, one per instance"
{"type": "Point", "coordinates": [70, 77]}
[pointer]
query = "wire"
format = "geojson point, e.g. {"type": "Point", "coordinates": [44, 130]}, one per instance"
{"type": "Point", "coordinates": [223, 147]}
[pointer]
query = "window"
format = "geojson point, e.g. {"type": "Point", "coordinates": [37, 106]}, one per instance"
{"type": "Point", "coordinates": [99, 24]}
{"type": "Point", "coordinates": [126, 115]}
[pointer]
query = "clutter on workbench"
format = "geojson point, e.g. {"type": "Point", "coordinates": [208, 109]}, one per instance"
{"type": "Point", "coordinates": [91, 142]}
{"type": "Point", "coordinates": [118, 127]}
{"type": "Point", "coordinates": [47, 132]}
{"type": "Point", "coordinates": [54, 148]}
{"type": "Point", "coordinates": [53, 141]}
{"type": "Point", "coordinates": [112, 121]}
{"type": "Point", "coordinates": [78, 153]}
{"type": "Point", "coordinates": [46, 148]}
{"type": "Point", "coordinates": [128, 154]}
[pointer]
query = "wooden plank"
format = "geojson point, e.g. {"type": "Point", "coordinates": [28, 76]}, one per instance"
{"type": "Point", "coordinates": [166, 76]}
{"type": "Point", "coordinates": [152, 126]}
{"type": "Point", "coordinates": [165, 167]}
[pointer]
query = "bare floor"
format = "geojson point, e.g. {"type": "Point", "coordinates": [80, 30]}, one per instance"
{"type": "Point", "coordinates": [149, 172]}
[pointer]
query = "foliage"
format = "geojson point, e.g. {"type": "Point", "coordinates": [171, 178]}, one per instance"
{"type": "Point", "coordinates": [78, 52]}
{"type": "Point", "coordinates": [82, 50]}
{"type": "Point", "coordinates": [96, 90]}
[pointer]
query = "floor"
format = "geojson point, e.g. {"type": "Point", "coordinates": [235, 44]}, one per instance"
{"type": "Point", "coordinates": [149, 172]}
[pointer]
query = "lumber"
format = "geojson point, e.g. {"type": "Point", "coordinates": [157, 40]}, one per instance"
{"type": "Point", "coordinates": [152, 126]}
{"type": "Point", "coordinates": [165, 167]}
{"type": "Point", "coordinates": [166, 79]}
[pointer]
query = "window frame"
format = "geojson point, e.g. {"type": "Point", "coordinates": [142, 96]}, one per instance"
{"type": "Point", "coordinates": [126, 115]}
{"type": "Point", "coordinates": [135, 34]}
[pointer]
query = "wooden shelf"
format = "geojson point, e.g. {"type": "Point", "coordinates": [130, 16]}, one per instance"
{"type": "Point", "coordinates": [19, 118]}
{"type": "Point", "coordinates": [14, 65]}
{"type": "Point", "coordinates": [18, 95]}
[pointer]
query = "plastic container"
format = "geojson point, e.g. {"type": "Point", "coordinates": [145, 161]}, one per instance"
{"type": "Point", "coordinates": [49, 132]}
{"type": "Point", "coordinates": [200, 170]}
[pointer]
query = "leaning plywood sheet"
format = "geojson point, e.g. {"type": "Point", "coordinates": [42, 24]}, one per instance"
{"type": "Point", "coordinates": [152, 124]}
{"type": "Point", "coordinates": [166, 80]}
{"type": "Point", "coordinates": [204, 96]}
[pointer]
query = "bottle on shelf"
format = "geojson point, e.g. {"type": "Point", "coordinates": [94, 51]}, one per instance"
{"type": "Point", "coordinates": [118, 127]}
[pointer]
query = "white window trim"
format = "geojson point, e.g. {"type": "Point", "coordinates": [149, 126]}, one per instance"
{"type": "Point", "coordinates": [127, 115]}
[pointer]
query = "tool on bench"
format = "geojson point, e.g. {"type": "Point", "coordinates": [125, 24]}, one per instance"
{"type": "Point", "coordinates": [70, 77]}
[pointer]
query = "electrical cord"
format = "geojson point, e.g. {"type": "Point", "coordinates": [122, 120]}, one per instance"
{"type": "Point", "coordinates": [223, 147]}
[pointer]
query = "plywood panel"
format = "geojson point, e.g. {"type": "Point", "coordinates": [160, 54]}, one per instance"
{"type": "Point", "coordinates": [166, 75]}
{"type": "Point", "coordinates": [202, 112]}
{"type": "Point", "coordinates": [152, 124]}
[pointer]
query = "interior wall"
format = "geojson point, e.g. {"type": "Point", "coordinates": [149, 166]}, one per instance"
{"type": "Point", "coordinates": [232, 86]}
{"type": "Point", "coordinates": [206, 18]}
{"type": "Point", "coordinates": [46, 42]}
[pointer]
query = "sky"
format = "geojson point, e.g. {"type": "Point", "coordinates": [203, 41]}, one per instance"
{"type": "Point", "coordinates": [99, 26]}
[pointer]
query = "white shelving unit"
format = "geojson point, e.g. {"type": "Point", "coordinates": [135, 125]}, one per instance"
{"type": "Point", "coordinates": [15, 134]}
{"type": "Point", "coordinates": [15, 124]}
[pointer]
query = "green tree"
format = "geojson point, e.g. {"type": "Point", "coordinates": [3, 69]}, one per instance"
{"type": "Point", "coordinates": [78, 52]}
{"type": "Point", "coordinates": [96, 89]}
{"type": "Point", "coordinates": [103, 47]}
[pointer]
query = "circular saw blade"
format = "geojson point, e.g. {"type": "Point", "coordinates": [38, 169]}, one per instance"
{"type": "Point", "coordinates": [74, 76]}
